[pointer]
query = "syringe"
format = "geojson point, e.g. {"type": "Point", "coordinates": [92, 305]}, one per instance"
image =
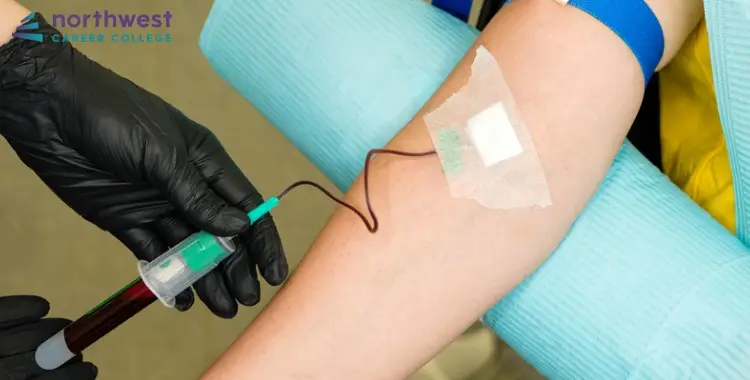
{"type": "Point", "coordinates": [163, 279]}
{"type": "Point", "coordinates": [175, 271]}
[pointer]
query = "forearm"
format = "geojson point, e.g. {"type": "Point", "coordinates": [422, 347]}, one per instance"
{"type": "Point", "coordinates": [11, 14]}
{"type": "Point", "coordinates": [378, 306]}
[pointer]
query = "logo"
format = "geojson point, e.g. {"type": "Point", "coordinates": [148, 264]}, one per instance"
{"type": "Point", "coordinates": [24, 30]}
{"type": "Point", "coordinates": [101, 26]}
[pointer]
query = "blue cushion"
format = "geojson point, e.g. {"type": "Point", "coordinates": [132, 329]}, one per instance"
{"type": "Point", "coordinates": [646, 284]}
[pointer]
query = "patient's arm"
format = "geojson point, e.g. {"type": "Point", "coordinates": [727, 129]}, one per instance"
{"type": "Point", "coordinates": [365, 306]}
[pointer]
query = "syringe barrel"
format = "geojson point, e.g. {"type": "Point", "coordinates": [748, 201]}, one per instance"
{"type": "Point", "coordinates": [164, 278]}
{"type": "Point", "coordinates": [178, 268]}
{"type": "Point", "coordinates": [185, 263]}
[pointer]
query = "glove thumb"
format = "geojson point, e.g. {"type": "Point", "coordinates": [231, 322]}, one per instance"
{"type": "Point", "coordinates": [192, 196]}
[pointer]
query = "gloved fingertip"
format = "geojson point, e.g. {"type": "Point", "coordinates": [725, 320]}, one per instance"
{"type": "Point", "coordinates": [248, 291]}
{"type": "Point", "coordinates": [212, 290]}
{"type": "Point", "coordinates": [184, 301]}
{"type": "Point", "coordinates": [89, 370]}
{"type": "Point", "coordinates": [276, 273]}
{"type": "Point", "coordinates": [232, 221]}
{"type": "Point", "coordinates": [20, 309]}
{"type": "Point", "coordinates": [226, 313]}
{"type": "Point", "coordinates": [250, 299]}
{"type": "Point", "coordinates": [77, 371]}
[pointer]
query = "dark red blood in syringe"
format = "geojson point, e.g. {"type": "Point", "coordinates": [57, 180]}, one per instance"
{"type": "Point", "coordinates": [108, 315]}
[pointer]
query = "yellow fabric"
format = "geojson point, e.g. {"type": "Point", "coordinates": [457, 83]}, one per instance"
{"type": "Point", "coordinates": [693, 149]}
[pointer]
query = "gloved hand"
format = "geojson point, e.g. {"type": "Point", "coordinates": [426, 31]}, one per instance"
{"type": "Point", "coordinates": [22, 330]}
{"type": "Point", "coordinates": [132, 164]}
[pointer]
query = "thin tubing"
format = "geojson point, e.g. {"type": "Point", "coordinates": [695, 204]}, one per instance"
{"type": "Point", "coordinates": [136, 296]}
{"type": "Point", "coordinates": [372, 227]}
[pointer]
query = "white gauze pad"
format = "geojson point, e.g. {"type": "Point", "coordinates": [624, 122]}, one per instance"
{"type": "Point", "coordinates": [486, 152]}
{"type": "Point", "coordinates": [493, 136]}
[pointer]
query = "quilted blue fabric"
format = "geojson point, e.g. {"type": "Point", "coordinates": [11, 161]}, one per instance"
{"type": "Point", "coordinates": [645, 286]}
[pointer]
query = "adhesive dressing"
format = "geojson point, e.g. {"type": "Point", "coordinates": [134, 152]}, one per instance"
{"type": "Point", "coordinates": [486, 152]}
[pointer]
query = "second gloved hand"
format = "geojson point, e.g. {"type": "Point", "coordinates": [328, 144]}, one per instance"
{"type": "Point", "coordinates": [22, 329]}
{"type": "Point", "coordinates": [132, 164]}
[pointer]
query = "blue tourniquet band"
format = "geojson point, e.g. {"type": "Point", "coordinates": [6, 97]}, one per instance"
{"type": "Point", "coordinates": [458, 8]}
{"type": "Point", "coordinates": [635, 23]}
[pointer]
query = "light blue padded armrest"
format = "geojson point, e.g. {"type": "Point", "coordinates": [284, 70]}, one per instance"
{"type": "Point", "coordinates": [646, 285]}
{"type": "Point", "coordinates": [322, 71]}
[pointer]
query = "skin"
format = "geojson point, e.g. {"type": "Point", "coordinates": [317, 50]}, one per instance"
{"type": "Point", "coordinates": [379, 306]}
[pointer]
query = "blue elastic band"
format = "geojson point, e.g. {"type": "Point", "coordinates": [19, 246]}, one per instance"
{"type": "Point", "coordinates": [636, 25]}
{"type": "Point", "coordinates": [460, 9]}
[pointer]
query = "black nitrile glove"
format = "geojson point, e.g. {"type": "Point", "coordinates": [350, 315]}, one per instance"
{"type": "Point", "coordinates": [22, 329]}
{"type": "Point", "coordinates": [133, 165]}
